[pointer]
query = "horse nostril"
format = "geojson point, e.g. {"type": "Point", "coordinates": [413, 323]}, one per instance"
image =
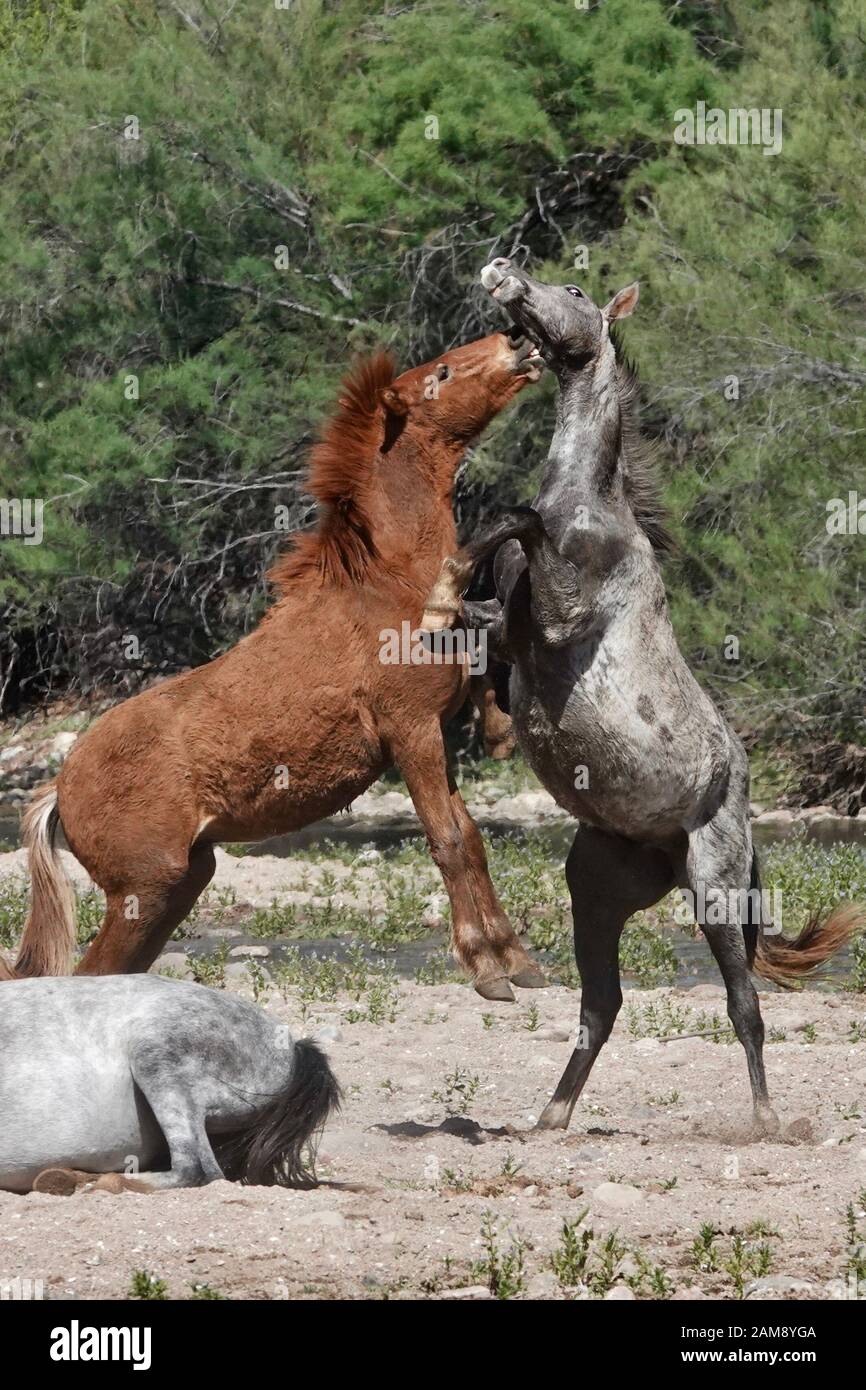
{"type": "Point", "coordinates": [515, 339]}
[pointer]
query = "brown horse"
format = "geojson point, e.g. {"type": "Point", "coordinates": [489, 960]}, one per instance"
{"type": "Point", "coordinates": [303, 714]}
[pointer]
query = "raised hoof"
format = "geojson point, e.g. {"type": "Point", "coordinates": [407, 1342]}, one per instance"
{"type": "Point", "coordinates": [437, 619]}
{"type": "Point", "coordinates": [529, 978]}
{"type": "Point", "coordinates": [495, 987]}
{"type": "Point", "coordinates": [57, 1182]}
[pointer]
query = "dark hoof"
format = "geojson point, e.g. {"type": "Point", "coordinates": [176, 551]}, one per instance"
{"type": "Point", "coordinates": [529, 978]}
{"type": "Point", "coordinates": [553, 1116]}
{"type": "Point", "coordinates": [495, 987]}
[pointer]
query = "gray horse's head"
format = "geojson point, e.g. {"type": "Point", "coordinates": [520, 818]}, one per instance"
{"type": "Point", "coordinates": [569, 328]}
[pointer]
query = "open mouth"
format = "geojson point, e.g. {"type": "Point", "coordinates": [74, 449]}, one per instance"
{"type": "Point", "coordinates": [528, 360]}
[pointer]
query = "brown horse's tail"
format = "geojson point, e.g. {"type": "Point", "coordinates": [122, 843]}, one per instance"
{"type": "Point", "coordinates": [788, 960]}
{"type": "Point", "coordinates": [49, 932]}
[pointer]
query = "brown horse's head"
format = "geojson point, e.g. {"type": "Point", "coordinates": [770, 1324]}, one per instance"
{"type": "Point", "coordinates": [383, 468]}
{"type": "Point", "coordinates": [457, 394]}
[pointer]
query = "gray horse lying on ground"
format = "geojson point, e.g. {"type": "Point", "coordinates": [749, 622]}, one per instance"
{"type": "Point", "coordinates": [604, 706]}
{"type": "Point", "coordinates": [171, 1083]}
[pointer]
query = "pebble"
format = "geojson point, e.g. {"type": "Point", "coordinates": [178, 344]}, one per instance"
{"type": "Point", "coordinates": [261, 952]}
{"type": "Point", "coordinates": [683, 1295]}
{"type": "Point", "coordinates": [550, 1034]}
{"type": "Point", "coordinates": [618, 1195]}
{"type": "Point", "coordinates": [620, 1293]}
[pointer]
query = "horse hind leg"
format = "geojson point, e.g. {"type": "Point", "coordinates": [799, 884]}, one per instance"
{"type": "Point", "coordinates": [180, 1117]}
{"type": "Point", "coordinates": [141, 914]}
{"type": "Point", "coordinates": [719, 874]}
{"type": "Point", "coordinates": [609, 878]}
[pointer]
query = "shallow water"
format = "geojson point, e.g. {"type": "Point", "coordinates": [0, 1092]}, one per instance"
{"type": "Point", "coordinates": [695, 962]}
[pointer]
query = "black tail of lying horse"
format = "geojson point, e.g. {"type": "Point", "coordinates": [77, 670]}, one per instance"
{"type": "Point", "coordinates": [786, 961]}
{"type": "Point", "coordinates": [278, 1145]}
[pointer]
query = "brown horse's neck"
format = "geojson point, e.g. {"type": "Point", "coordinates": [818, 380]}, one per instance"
{"type": "Point", "coordinates": [411, 507]}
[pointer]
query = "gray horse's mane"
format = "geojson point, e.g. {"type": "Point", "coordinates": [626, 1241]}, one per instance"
{"type": "Point", "coordinates": [640, 455]}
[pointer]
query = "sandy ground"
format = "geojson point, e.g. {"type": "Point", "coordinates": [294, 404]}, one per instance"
{"type": "Point", "coordinates": [659, 1145]}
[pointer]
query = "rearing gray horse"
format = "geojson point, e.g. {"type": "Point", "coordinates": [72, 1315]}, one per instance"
{"type": "Point", "coordinates": [605, 708]}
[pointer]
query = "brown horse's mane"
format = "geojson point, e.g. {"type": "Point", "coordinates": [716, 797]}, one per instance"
{"type": "Point", "coordinates": [641, 481]}
{"type": "Point", "coordinates": [341, 548]}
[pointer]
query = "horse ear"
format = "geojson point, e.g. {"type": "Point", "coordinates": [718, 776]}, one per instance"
{"type": "Point", "coordinates": [623, 303]}
{"type": "Point", "coordinates": [393, 401]}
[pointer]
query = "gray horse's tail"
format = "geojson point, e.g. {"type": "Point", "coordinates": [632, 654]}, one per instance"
{"type": "Point", "coordinates": [278, 1145]}
{"type": "Point", "coordinates": [786, 961]}
{"type": "Point", "coordinates": [49, 933]}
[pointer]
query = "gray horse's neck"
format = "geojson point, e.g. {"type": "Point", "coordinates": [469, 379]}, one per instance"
{"type": "Point", "coordinates": [583, 462]}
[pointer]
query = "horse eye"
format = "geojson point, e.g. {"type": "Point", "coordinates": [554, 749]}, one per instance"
{"type": "Point", "coordinates": [578, 293]}
{"type": "Point", "coordinates": [443, 372]}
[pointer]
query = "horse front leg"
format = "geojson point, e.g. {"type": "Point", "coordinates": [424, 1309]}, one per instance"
{"type": "Point", "coordinates": [562, 595]}
{"type": "Point", "coordinates": [421, 758]}
{"type": "Point", "coordinates": [443, 604]}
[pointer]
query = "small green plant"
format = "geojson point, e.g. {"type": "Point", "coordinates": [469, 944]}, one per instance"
{"type": "Point", "coordinates": [457, 1180]}
{"type": "Point", "coordinates": [532, 1020]}
{"type": "Point", "coordinates": [259, 979]}
{"type": "Point", "coordinates": [204, 1291]}
{"type": "Point", "coordinates": [582, 1258]}
{"type": "Point", "coordinates": [13, 909]}
{"type": "Point", "coordinates": [569, 1259]}
{"type": "Point", "coordinates": [857, 980]}
{"type": "Point", "coordinates": [855, 1245]}
{"type": "Point", "coordinates": [510, 1167]}
{"type": "Point", "coordinates": [502, 1270]}
{"type": "Point", "coordinates": [745, 1259]}
{"type": "Point", "coordinates": [649, 1279]}
{"type": "Point", "coordinates": [434, 971]}
{"type": "Point", "coordinates": [147, 1286]}
{"type": "Point", "coordinates": [670, 1099]}
{"type": "Point", "coordinates": [847, 1110]}
{"type": "Point", "coordinates": [487, 1021]}
{"type": "Point", "coordinates": [458, 1091]}
{"type": "Point", "coordinates": [210, 969]}
{"type": "Point", "coordinates": [704, 1255]}
{"type": "Point", "coordinates": [810, 1033]}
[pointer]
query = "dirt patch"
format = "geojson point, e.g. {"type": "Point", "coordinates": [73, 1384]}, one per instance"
{"type": "Point", "coordinates": [433, 1186]}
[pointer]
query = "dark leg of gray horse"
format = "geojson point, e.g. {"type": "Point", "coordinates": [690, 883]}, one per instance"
{"type": "Point", "coordinates": [609, 878]}
{"type": "Point", "coordinates": [718, 872]}
{"type": "Point", "coordinates": [180, 1117]}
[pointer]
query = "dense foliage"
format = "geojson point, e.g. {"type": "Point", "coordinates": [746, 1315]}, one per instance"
{"type": "Point", "coordinates": [154, 158]}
